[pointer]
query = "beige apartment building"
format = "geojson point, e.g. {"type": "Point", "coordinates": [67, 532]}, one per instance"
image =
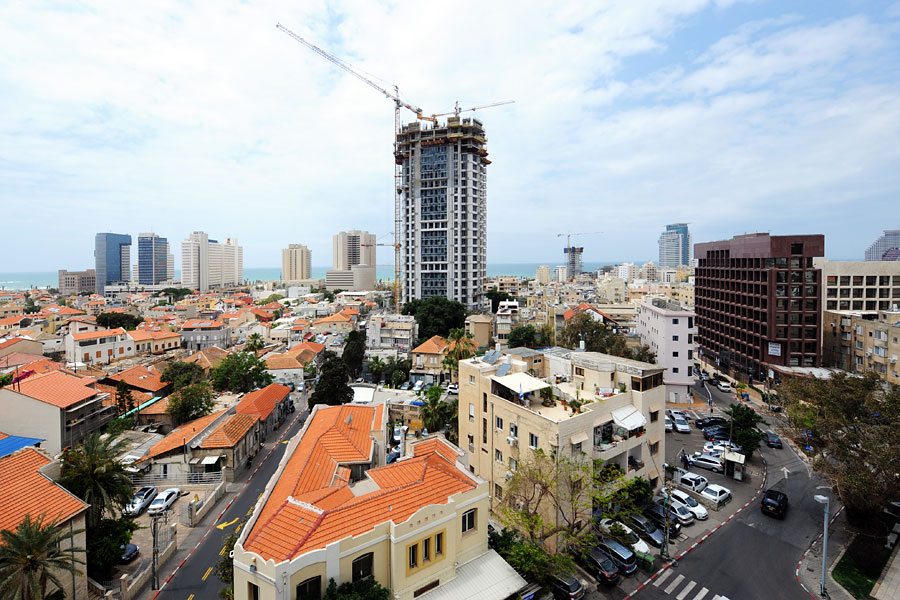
{"type": "Point", "coordinates": [481, 327]}
{"type": "Point", "coordinates": [861, 341]}
{"type": "Point", "coordinates": [859, 285]}
{"type": "Point", "coordinates": [503, 415]}
{"type": "Point", "coordinates": [418, 526]}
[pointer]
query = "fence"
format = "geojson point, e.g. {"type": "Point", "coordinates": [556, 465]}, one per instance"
{"type": "Point", "coordinates": [177, 479]}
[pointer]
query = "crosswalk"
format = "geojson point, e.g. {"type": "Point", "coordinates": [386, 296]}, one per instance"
{"type": "Point", "coordinates": [683, 592]}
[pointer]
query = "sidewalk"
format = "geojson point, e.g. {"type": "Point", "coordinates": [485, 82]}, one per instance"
{"type": "Point", "coordinates": [809, 569]}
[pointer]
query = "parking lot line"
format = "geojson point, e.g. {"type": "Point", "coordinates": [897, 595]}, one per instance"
{"type": "Point", "coordinates": [662, 578]}
{"type": "Point", "coordinates": [687, 590]}
{"type": "Point", "coordinates": [674, 584]}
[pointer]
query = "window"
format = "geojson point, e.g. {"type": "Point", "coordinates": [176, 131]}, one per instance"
{"type": "Point", "coordinates": [484, 430]}
{"type": "Point", "coordinates": [426, 550]}
{"type": "Point", "coordinates": [499, 423]}
{"type": "Point", "coordinates": [654, 416]}
{"type": "Point", "coordinates": [439, 544]}
{"type": "Point", "coordinates": [654, 448]}
{"type": "Point", "coordinates": [362, 566]}
{"type": "Point", "coordinates": [579, 371]}
{"type": "Point", "coordinates": [674, 321]}
{"type": "Point", "coordinates": [468, 520]}
{"type": "Point", "coordinates": [498, 491]}
{"type": "Point", "coordinates": [674, 355]}
{"type": "Point", "coordinates": [484, 400]}
{"type": "Point", "coordinates": [674, 369]}
{"type": "Point", "coordinates": [471, 411]}
{"type": "Point", "coordinates": [252, 591]}
{"type": "Point", "coordinates": [471, 443]}
{"type": "Point", "coordinates": [532, 441]}
{"type": "Point", "coordinates": [513, 465]}
{"type": "Point", "coordinates": [498, 456]}
{"type": "Point", "coordinates": [471, 379]}
{"type": "Point", "coordinates": [413, 552]}
{"type": "Point", "coordinates": [311, 589]}
{"type": "Point", "coordinates": [514, 430]}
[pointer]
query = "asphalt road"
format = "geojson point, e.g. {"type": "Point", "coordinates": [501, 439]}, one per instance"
{"type": "Point", "coordinates": [196, 579]}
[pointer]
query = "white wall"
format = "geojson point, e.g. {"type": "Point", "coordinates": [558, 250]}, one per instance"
{"type": "Point", "coordinates": [23, 416]}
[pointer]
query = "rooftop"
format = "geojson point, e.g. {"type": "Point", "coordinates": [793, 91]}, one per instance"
{"type": "Point", "coordinates": [102, 333]}
{"type": "Point", "coordinates": [262, 402]}
{"type": "Point", "coordinates": [24, 490]}
{"type": "Point", "coordinates": [230, 431]}
{"type": "Point", "coordinates": [58, 388]}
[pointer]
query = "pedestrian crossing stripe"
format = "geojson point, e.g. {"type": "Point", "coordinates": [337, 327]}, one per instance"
{"type": "Point", "coordinates": [685, 593]}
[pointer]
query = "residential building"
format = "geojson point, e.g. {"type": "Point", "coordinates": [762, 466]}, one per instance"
{"type": "Point", "coordinates": [98, 347]}
{"type": "Point", "coordinates": [481, 328]}
{"type": "Point", "coordinates": [675, 246]}
{"type": "Point", "coordinates": [199, 334]}
{"type": "Point", "coordinates": [207, 264]}
{"type": "Point", "coordinates": [561, 274]}
{"type": "Point", "coordinates": [358, 278]}
{"type": "Point", "coordinates": [60, 408]}
{"type": "Point", "coordinates": [296, 263]}
{"type": "Point", "coordinates": [505, 320]}
{"type": "Point", "coordinates": [613, 289]}
{"type": "Point", "coordinates": [173, 455]}
{"type": "Point", "coordinates": [20, 345]}
{"type": "Point", "coordinates": [649, 271]}
{"type": "Point", "coordinates": [332, 512]}
{"type": "Point", "coordinates": [270, 404]}
{"type": "Point", "coordinates": [886, 247]}
{"type": "Point", "coordinates": [141, 378]}
{"type": "Point", "coordinates": [628, 272]}
{"type": "Point", "coordinates": [72, 283]}
{"type": "Point", "coordinates": [28, 489]}
{"type": "Point", "coordinates": [390, 335]}
{"type": "Point", "coordinates": [427, 361]}
{"type": "Point", "coordinates": [504, 415]}
{"type": "Point", "coordinates": [758, 303]}
{"type": "Point", "coordinates": [339, 323]}
{"type": "Point", "coordinates": [112, 259]}
{"type": "Point", "coordinates": [669, 329]}
{"type": "Point", "coordinates": [572, 255]}
{"type": "Point", "coordinates": [153, 257]}
{"type": "Point", "coordinates": [353, 248]}
{"type": "Point", "coordinates": [860, 285]}
{"type": "Point", "coordinates": [228, 445]}
{"type": "Point", "coordinates": [154, 342]}
{"type": "Point", "coordinates": [859, 342]}
{"type": "Point", "coordinates": [542, 275]}
{"type": "Point", "coordinates": [507, 284]}
{"type": "Point", "coordinates": [443, 210]}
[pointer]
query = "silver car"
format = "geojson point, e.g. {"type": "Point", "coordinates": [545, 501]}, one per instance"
{"type": "Point", "coordinates": [141, 500]}
{"type": "Point", "coordinates": [164, 501]}
{"type": "Point", "coordinates": [705, 461]}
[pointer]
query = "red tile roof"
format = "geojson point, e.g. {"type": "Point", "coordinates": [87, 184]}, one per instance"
{"type": "Point", "coordinates": [58, 388]}
{"type": "Point", "coordinates": [434, 345]}
{"type": "Point", "coordinates": [19, 358]}
{"type": "Point", "coordinates": [282, 361]}
{"type": "Point", "coordinates": [136, 396]}
{"type": "Point", "coordinates": [316, 348]}
{"type": "Point", "coordinates": [160, 407]}
{"type": "Point", "coordinates": [141, 377]}
{"type": "Point", "coordinates": [262, 402]}
{"type": "Point", "coordinates": [13, 341]}
{"type": "Point", "coordinates": [140, 335]}
{"type": "Point", "coordinates": [230, 432]}
{"type": "Point", "coordinates": [24, 491]}
{"type": "Point", "coordinates": [91, 335]}
{"type": "Point", "coordinates": [336, 318]}
{"type": "Point", "coordinates": [181, 435]}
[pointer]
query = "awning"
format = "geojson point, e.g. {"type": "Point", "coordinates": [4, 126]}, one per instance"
{"type": "Point", "coordinates": [629, 418]}
{"type": "Point", "coordinates": [487, 577]}
{"type": "Point", "coordinates": [210, 460]}
{"type": "Point", "coordinates": [521, 383]}
{"type": "Point", "coordinates": [578, 438]}
{"type": "Point", "coordinates": [195, 461]}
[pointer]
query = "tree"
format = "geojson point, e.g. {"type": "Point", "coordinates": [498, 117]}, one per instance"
{"type": "Point", "coordinates": [224, 568]}
{"type": "Point", "coordinates": [523, 335]}
{"type": "Point", "coordinates": [397, 378]}
{"type": "Point", "coordinates": [30, 306]}
{"type": "Point", "coordinates": [309, 371]}
{"type": "Point", "coordinates": [240, 372]}
{"type": "Point", "coordinates": [376, 368]}
{"type": "Point", "coordinates": [124, 400]}
{"type": "Point", "coordinates": [332, 388]}
{"type": "Point", "coordinates": [434, 412]}
{"type": "Point", "coordinates": [362, 589]}
{"type": "Point", "coordinates": [92, 471]}
{"type": "Point", "coordinates": [33, 555]}
{"type": "Point", "coordinates": [176, 294]}
{"type": "Point", "coordinates": [354, 352]}
{"type": "Point", "coordinates": [270, 299]}
{"type": "Point", "coordinates": [181, 374]}
{"type": "Point", "coordinates": [104, 545]}
{"type": "Point", "coordinates": [191, 402]}
{"type": "Point", "coordinates": [436, 315]}
{"type": "Point", "coordinates": [744, 432]}
{"type": "Point", "coordinates": [115, 427]}
{"type": "Point", "coordinates": [496, 297]}
{"type": "Point", "coordinates": [115, 319]}
{"type": "Point", "coordinates": [6, 379]}
{"type": "Point", "coordinates": [530, 560]}
{"type": "Point", "coordinates": [391, 369]}
{"type": "Point", "coordinates": [255, 342]}
{"type": "Point", "coordinates": [461, 345]}
{"type": "Point", "coordinates": [598, 337]}
{"type": "Point", "coordinates": [854, 424]}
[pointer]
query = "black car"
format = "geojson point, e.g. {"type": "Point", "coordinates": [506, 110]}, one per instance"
{"type": "Point", "coordinates": [566, 587]}
{"type": "Point", "coordinates": [774, 503]}
{"type": "Point", "coordinates": [710, 421]}
{"type": "Point", "coordinates": [715, 431]}
{"type": "Point", "coordinates": [624, 558]}
{"type": "Point", "coordinates": [657, 514]}
{"type": "Point", "coordinates": [646, 529]}
{"type": "Point", "coordinates": [129, 552]}
{"type": "Point", "coordinates": [773, 441]}
{"type": "Point", "coordinates": [598, 563]}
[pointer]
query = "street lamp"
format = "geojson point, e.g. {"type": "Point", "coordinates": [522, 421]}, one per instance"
{"type": "Point", "coordinates": [826, 501]}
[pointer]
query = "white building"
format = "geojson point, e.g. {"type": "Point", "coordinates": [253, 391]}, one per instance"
{"type": "Point", "coordinates": [628, 272]}
{"type": "Point", "coordinates": [868, 285]}
{"type": "Point", "coordinates": [296, 263]}
{"type": "Point", "coordinates": [207, 264]}
{"type": "Point", "coordinates": [561, 274]}
{"type": "Point", "coordinates": [360, 278]}
{"type": "Point", "coordinates": [98, 347]}
{"type": "Point", "coordinates": [353, 248]}
{"type": "Point", "coordinates": [542, 275]}
{"type": "Point", "coordinates": [390, 335]}
{"type": "Point", "coordinates": [675, 246]}
{"type": "Point", "coordinates": [669, 330]}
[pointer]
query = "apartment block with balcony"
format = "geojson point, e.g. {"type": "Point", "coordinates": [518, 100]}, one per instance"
{"type": "Point", "coordinates": [99, 347]}
{"type": "Point", "coordinates": [863, 341]}
{"type": "Point", "coordinates": [669, 330]}
{"type": "Point", "coordinates": [860, 285]}
{"type": "Point", "coordinates": [505, 320]}
{"type": "Point", "coordinates": [390, 335]}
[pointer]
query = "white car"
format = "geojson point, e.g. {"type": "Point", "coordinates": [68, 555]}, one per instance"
{"type": "Point", "coordinates": [717, 493]}
{"type": "Point", "coordinates": [723, 385]}
{"type": "Point", "coordinates": [678, 497]}
{"type": "Point", "coordinates": [631, 537]}
{"type": "Point", "coordinates": [722, 447]}
{"type": "Point", "coordinates": [706, 461]}
{"type": "Point", "coordinates": [681, 425]}
{"type": "Point", "coordinates": [453, 388]}
{"type": "Point", "coordinates": [164, 501]}
{"type": "Point", "coordinates": [677, 413]}
{"type": "Point", "coordinates": [693, 482]}
{"type": "Point", "coordinates": [669, 424]}
{"type": "Point", "coordinates": [419, 385]}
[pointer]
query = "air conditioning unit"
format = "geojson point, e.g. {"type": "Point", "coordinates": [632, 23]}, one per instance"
{"type": "Point", "coordinates": [509, 475]}
{"type": "Point", "coordinates": [512, 441]}
{"type": "Point", "coordinates": [894, 358]}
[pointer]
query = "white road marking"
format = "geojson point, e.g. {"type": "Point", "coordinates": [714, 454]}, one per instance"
{"type": "Point", "coordinates": [701, 594]}
{"type": "Point", "coordinates": [674, 584]}
{"type": "Point", "coordinates": [662, 578]}
{"type": "Point", "coordinates": [687, 590]}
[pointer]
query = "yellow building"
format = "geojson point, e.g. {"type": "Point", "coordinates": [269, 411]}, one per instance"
{"type": "Point", "coordinates": [859, 341]}
{"type": "Point", "coordinates": [330, 512]}
{"type": "Point", "coordinates": [482, 329]}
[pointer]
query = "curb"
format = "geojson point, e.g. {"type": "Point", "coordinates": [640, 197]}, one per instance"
{"type": "Point", "coordinates": [805, 552]}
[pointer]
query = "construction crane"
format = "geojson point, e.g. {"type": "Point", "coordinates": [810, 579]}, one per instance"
{"type": "Point", "coordinates": [456, 110]}
{"type": "Point", "coordinates": [571, 261]}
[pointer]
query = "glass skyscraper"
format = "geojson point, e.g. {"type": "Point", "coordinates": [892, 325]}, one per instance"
{"type": "Point", "coordinates": [675, 246]}
{"type": "Point", "coordinates": [153, 257]}
{"type": "Point", "coordinates": [112, 258]}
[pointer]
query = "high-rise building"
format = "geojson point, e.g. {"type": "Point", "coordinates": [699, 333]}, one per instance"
{"type": "Point", "coordinates": [112, 258]}
{"type": "Point", "coordinates": [207, 264]}
{"type": "Point", "coordinates": [759, 303]}
{"type": "Point", "coordinates": [542, 275]}
{"type": "Point", "coordinates": [668, 328]}
{"type": "Point", "coordinates": [561, 274]}
{"type": "Point", "coordinates": [353, 248]}
{"type": "Point", "coordinates": [170, 266]}
{"type": "Point", "coordinates": [886, 247]}
{"type": "Point", "coordinates": [443, 204]}
{"type": "Point", "coordinates": [296, 263]}
{"type": "Point", "coordinates": [153, 257]}
{"type": "Point", "coordinates": [76, 282]}
{"type": "Point", "coordinates": [859, 285]}
{"type": "Point", "coordinates": [675, 246]}
{"type": "Point", "coordinates": [573, 259]}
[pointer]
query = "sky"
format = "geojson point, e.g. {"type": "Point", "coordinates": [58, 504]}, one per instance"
{"type": "Point", "coordinates": [734, 116]}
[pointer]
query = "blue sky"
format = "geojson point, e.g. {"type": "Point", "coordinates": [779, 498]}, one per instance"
{"type": "Point", "coordinates": [735, 116]}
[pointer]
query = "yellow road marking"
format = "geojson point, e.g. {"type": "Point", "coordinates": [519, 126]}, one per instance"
{"type": "Point", "coordinates": [260, 496]}
{"type": "Point", "coordinates": [205, 575]}
{"type": "Point", "coordinates": [285, 441]}
{"type": "Point", "coordinates": [191, 597]}
{"type": "Point", "coordinates": [224, 525]}
{"type": "Point", "coordinates": [250, 512]}
{"type": "Point", "coordinates": [238, 528]}
{"type": "Point", "coordinates": [222, 551]}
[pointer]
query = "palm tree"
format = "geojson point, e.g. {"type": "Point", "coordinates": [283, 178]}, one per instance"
{"type": "Point", "coordinates": [460, 347]}
{"type": "Point", "coordinates": [376, 368]}
{"type": "Point", "coordinates": [255, 342]}
{"type": "Point", "coordinates": [434, 411]}
{"type": "Point", "coordinates": [93, 472]}
{"type": "Point", "coordinates": [32, 555]}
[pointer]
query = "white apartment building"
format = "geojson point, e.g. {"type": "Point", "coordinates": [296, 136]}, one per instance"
{"type": "Point", "coordinates": [669, 330]}
{"type": "Point", "coordinates": [353, 248]}
{"type": "Point", "coordinates": [98, 347]}
{"type": "Point", "coordinates": [561, 274]}
{"type": "Point", "coordinates": [506, 318]}
{"type": "Point", "coordinates": [296, 263]}
{"type": "Point", "coordinates": [859, 285]}
{"type": "Point", "coordinates": [208, 264]}
{"type": "Point", "coordinates": [628, 271]}
{"type": "Point", "coordinates": [390, 335]}
{"type": "Point", "coordinates": [542, 275]}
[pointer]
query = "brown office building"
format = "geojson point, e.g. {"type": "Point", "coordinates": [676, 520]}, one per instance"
{"type": "Point", "coordinates": [758, 303]}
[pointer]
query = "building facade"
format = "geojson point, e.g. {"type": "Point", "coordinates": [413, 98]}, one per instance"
{"type": "Point", "coordinates": [542, 275]}
{"type": "Point", "coordinates": [153, 259]}
{"type": "Point", "coordinates": [391, 335]}
{"type": "Point", "coordinates": [443, 206]}
{"type": "Point", "coordinates": [296, 263]}
{"type": "Point", "coordinates": [886, 247]}
{"type": "Point", "coordinates": [112, 259]}
{"type": "Point", "coordinates": [197, 334]}
{"type": "Point", "coordinates": [858, 342]}
{"type": "Point", "coordinates": [572, 255]}
{"type": "Point", "coordinates": [675, 246]}
{"type": "Point", "coordinates": [99, 347]}
{"type": "Point", "coordinates": [860, 285]}
{"type": "Point", "coordinates": [353, 248]}
{"type": "Point", "coordinates": [76, 282]}
{"type": "Point", "coordinates": [669, 329]}
{"type": "Point", "coordinates": [758, 303]}
{"type": "Point", "coordinates": [208, 264]}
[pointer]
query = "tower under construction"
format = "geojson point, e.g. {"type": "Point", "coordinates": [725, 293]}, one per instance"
{"type": "Point", "coordinates": [443, 210]}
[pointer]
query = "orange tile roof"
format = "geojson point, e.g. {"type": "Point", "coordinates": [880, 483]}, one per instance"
{"type": "Point", "coordinates": [19, 358]}
{"type": "Point", "coordinates": [58, 388]}
{"type": "Point", "coordinates": [141, 377]}
{"type": "Point", "coordinates": [282, 361]}
{"type": "Point", "coordinates": [138, 397]}
{"type": "Point", "coordinates": [13, 319]}
{"type": "Point", "coordinates": [14, 341]}
{"type": "Point", "coordinates": [335, 318]}
{"type": "Point", "coordinates": [434, 345]}
{"type": "Point", "coordinates": [90, 335]}
{"type": "Point", "coordinates": [230, 432]}
{"type": "Point", "coordinates": [24, 491]}
{"type": "Point", "coordinates": [316, 348]}
{"type": "Point", "coordinates": [208, 357]}
{"type": "Point", "coordinates": [181, 435]}
{"type": "Point", "coordinates": [42, 366]}
{"type": "Point", "coordinates": [350, 312]}
{"type": "Point", "coordinates": [140, 335]}
{"type": "Point", "coordinates": [262, 402]}
{"type": "Point", "coordinates": [160, 407]}
{"type": "Point", "coordinates": [312, 505]}
{"type": "Point", "coordinates": [55, 309]}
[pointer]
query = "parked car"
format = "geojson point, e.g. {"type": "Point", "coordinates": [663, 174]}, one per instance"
{"type": "Point", "coordinates": [705, 461]}
{"type": "Point", "coordinates": [141, 500]}
{"type": "Point", "coordinates": [624, 558]}
{"type": "Point", "coordinates": [773, 441]}
{"type": "Point", "coordinates": [453, 388]}
{"type": "Point", "coordinates": [129, 552]}
{"type": "Point", "coordinates": [723, 386]}
{"type": "Point", "coordinates": [657, 514]}
{"type": "Point", "coordinates": [710, 421]}
{"type": "Point", "coordinates": [670, 426]}
{"type": "Point", "coordinates": [566, 587]}
{"type": "Point", "coordinates": [675, 412]}
{"type": "Point", "coordinates": [164, 501]}
{"type": "Point", "coordinates": [720, 447]}
{"type": "Point", "coordinates": [646, 529]}
{"type": "Point", "coordinates": [716, 493]}
{"type": "Point", "coordinates": [629, 537]}
{"type": "Point", "coordinates": [406, 385]}
{"type": "Point", "coordinates": [693, 482]}
{"type": "Point", "coordinates": [774, 503]}
{"type": "Point", "coordinates": [681, 426]}
{"type": "Point", "coordinates": [714, 431]}
{"type": "Point", "coordinates": [679, 511]}
{"type": "Point", "coordinates": [677, 497]}
{"type": "Point", "coordinates": [419, 385]}
{"type": "Point", "coordinates": [598, 563]}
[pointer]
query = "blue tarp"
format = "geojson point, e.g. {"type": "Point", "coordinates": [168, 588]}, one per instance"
{"type": "Point", "coordinates": [10, 444]}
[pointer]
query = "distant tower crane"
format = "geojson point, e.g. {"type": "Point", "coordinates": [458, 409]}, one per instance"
{"type": "Point", "coordinates": [398, 173]}
{"type": "Point", "coordinates": [573, 255]}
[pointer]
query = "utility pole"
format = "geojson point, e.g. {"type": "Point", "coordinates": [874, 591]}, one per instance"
{"type": "Point", "coordinates": [154, 563]}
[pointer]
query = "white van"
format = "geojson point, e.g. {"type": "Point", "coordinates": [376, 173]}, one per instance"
{"type": "Point", "coordinates": [693, 482]}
